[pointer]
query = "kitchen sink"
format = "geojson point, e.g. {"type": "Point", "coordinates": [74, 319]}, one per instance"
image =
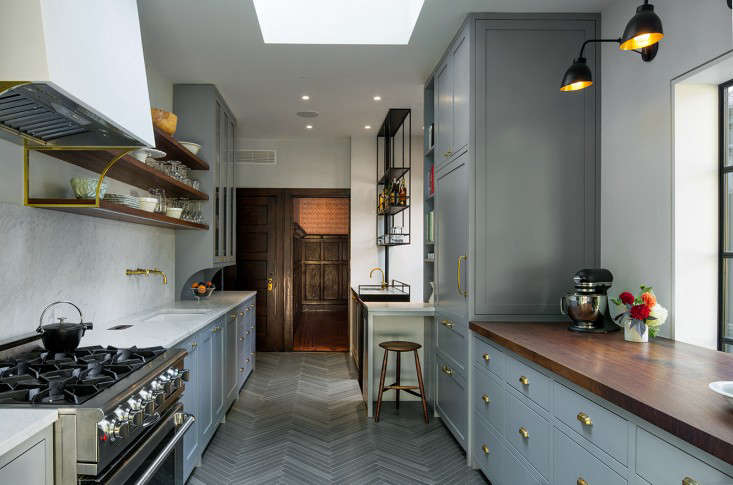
{"type": "Point", "coordinates": [397, 292]}
{"type": "Point", "coordinates": [173, 316]}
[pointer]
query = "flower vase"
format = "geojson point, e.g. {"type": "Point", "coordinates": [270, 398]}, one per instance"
{"type": "Point", "coordinates": [636, 332]}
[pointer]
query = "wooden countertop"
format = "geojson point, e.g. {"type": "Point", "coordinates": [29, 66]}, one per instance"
{"type": "Point", "coordinates": [664, 382]}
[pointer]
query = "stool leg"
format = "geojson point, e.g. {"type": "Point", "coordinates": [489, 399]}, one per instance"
{"type": "Point", "coordinates": [422, 388]}
{"type": "Point", "coordinates": [381, 385]}
{"type": "Point", "coordinates": [397, 391]}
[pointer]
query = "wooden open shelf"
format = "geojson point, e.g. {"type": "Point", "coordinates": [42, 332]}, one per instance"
{"type": "Point", "coordinates": [175, 151]}
{"type": "Point", "coordinates": [128, 170]}
{"type": "Point", "coordinates": [118, 212]}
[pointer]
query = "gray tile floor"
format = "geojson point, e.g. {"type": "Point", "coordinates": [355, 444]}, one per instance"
{"type": "Point", "coordinates": [300, 419]}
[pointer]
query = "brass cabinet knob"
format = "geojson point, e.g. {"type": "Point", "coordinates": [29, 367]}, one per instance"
{"type": "Point", "coordinates": [241, 314]}
{"type": "Point", "coordinates": [233, 316]}
{"type": "Point", "coordinates": [447, 370]}
{"type": "Point", "coordinates": [585, 419]}
{"type": "Point", "coordinates": [241, 369]}
{"type": "Point", "coordinates": [485, 398]}
{"type": "Point", "coordinates": [523, 432]}
{"type": "Point", "coordinates": [689, 481]}
{"type": "Point", "coordinates": [247, 332]}
{"type": "Point", "coordinates": [581, 481]}
{"type": "Point", "coordinates": [523, 380]}
{"type": "Point", "coordinates": [486, 357]}
{"type": "Point", "coordinates": [447, 323]}
{"type": "Point", "coordinates": [241, 339]}
{"type": "Point", "coordinates": [247, 359]}
{"type": "Point", "coordinates": [485, 449]}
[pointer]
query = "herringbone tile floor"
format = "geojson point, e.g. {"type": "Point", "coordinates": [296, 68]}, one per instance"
{"type": "Point", "coordinates": [300, 419]}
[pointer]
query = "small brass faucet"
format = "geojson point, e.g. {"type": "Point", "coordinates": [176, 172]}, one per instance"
{"type": "Point", "coordinates": [384, 283]}
{"type": "Point", "coordinates": [147, 272]}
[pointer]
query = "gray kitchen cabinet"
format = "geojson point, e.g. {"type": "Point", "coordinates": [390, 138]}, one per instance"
{"type": "Point", "coordinates": [31, 462]}
{"type": "Point", "coordinates": [190, 400]}
{"type": "Point", "coordinates": [205, 118]}
{"type": "Point", "coordinates": [450, 399]}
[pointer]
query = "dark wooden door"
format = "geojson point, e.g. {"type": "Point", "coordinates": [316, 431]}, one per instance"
{"type": "Point", "coordinates": [259, 249]}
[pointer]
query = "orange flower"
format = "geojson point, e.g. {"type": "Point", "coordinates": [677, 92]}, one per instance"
{"type": "Point", "coordinates": [649, 299]}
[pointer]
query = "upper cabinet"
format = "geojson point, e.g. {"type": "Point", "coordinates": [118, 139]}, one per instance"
{"type": "Point", "coordinates": [452, 100]}
{"type": "Point", "coordinates": [82, 62]}
{"type": "Point", "coordinates": [205, 118]}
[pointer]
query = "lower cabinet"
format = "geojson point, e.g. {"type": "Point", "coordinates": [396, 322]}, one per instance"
{"type": "Point", "coordinates": [220, 358]}
{"type": "Point", "coordinates": [31, 462]}
{"type": "Point", "coordinates": [450, 398]}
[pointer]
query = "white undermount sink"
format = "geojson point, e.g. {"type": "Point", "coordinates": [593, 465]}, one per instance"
{"type": "Point", "coordinates": [173, 316]}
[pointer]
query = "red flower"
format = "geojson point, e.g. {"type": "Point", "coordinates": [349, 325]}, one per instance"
{"type": "Point", "coordinates": [640, 312]}
{"type": "Point", "coordinates": [626, 298]}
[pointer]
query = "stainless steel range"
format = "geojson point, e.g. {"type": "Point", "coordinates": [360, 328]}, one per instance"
{"type": "Point", "coordinates": [120, 419]}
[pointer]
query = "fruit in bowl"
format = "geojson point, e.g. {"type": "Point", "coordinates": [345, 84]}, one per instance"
{"type": "Point", "coordinates": [202, 288]}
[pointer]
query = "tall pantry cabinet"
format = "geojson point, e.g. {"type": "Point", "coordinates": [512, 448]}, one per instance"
{"type": "Point", "coordinates": [516, 174]}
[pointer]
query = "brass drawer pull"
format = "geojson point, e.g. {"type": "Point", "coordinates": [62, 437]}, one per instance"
{"type": "Point", "coordinates": [447, 370]}
{"type": "Point", "coordinates": [524, 433]}
{"type": "Point", "coordinates": [485, 449]}
{"type": "Point", "coordinates": [585, 419]}
{"type": "Point", "coordinates": [486, 357]}
{"type": "Point", "coordinates": [581, 481]}
{"type": "Point", "coordinates": [689, 481]}
{"type": "Point", "coordinates": [485, 398]}
{"type": "Point", "coordinates": [523, 380]}
{"type": "Point", "coordinates": [448, 323]}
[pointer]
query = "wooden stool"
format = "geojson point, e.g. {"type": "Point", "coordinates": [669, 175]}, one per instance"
{"type": "Point", "coordinates": [400, 346]}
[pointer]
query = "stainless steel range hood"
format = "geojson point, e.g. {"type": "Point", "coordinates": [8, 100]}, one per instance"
{"type": "Point", "coordinates": [42, 113]}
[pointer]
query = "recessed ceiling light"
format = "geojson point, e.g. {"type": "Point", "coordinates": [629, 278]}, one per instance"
{"type": "Point", "coordinates": [367, 127]}
{"type": "Point", "coordinates": [305, 97]}
{"type": "Point", "coordinates": [308, 127]}
{"type": "Point", "coordinates": [380, 22]}
{"type": "Point", "coordinates": [377, 98]}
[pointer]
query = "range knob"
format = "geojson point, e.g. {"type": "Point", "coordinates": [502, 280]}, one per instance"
{"type": "Point", "coordinates": [121, 429]}
{"type": "Point", "coordinates": [147, 402]}
{"type": "Point", "coordinates": [166, 384]}
{"type": "Point", "coordinates": [112, 429]}
{"type": "Point", "coordinates": [106, 429]}
{"type": "Point", "coordinates": [158, 393]}
{"type": "Point", "coordinates": [175, 376]}
{"type": "Point", "coordinates": [135, 413]}
{"type": "Point", "coordinates": [122, 414]}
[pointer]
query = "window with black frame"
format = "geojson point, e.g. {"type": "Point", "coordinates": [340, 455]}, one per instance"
{"type": "Point", "coordinates": [725, 279]}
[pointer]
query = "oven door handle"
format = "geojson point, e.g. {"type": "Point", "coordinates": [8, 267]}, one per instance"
{"type": "Point", "coordinates": [158, 461]}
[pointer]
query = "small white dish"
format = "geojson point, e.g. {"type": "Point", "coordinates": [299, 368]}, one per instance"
{"type": "Point", "coordinates": [148, 204]}
{"type": "Point", "coordinates": [174, 212]}
{"type": "Point", "coordinates": [143, 153]}
{"type": "Point", "coordinates": [724, 388]}
{"type": "Point", "coordinates": [191, 146]}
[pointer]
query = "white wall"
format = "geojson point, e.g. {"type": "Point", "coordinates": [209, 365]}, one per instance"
{"type": "Point", "coordinates": [406, 262]}
{"type": "Point", "coordinates": [160, 88]}
{"type": "Point", "coordinates": [636, 138]}
{"type": "Point", "coordinates": [301, 163]}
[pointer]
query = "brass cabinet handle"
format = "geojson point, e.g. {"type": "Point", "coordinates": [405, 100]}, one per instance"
{"type": "Point", "coordinates": [448, 323]}
{"type": "Point", "coordinates": [447, 370]}
{"type": "Point", "coordinates": [523, 380]}
{"type": "Point", "coordinates": [523, 432]}
{"type": "Point", "coordinates": [461, 291]}
{"type": "Point", "coordinates": [585, 419]}
{"type": "Point", "coordinates": [689, 481]}
{"type": "Point", "coordinates": [486, 357]}
{"type": "Point", "coordinates": [485, 449]}
{"type": "Point", "coordinates": [581, 481]}
{"type": "Point", "coordinates": [485, 398]}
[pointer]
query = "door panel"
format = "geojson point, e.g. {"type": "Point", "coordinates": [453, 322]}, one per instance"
{"type": "Point", "coordinates": [331, 281]}
{"type": "Point", "coordinates": [444, 115]}
{"type": "Point", "coordinates": [452, 237]}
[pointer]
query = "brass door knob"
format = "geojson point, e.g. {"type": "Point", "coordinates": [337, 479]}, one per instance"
{"type": "Point", "coordinates": [485, 398]}
{"type": "Point", "coordinates": [523, 380]}
{"type": "Point", "coordinates": [485, 449]}
{"type": "Point", "coordinates": [689, 481]}
{"type": "Point", "coordinates": [486, 357]}
{"type": "Point", "coordinates": [581, 481]}
{"type": "Point", "coordinates": [448, 323]}
{"type": "Point", "coordinates": [524, 433]}
{"type": "Point", "coordinates": [585, 419]}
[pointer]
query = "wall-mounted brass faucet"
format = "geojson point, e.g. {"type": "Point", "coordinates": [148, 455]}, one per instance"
{"type": "Point", "coordinates": [147, 272]}
{"type": "Point", "coordinates": [384, 283]}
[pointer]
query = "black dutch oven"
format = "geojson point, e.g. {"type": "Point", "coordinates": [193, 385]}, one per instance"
{"type": "Point", "coordinates": [62, 337]}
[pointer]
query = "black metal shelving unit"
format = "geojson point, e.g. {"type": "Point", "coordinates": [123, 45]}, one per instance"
{"type": "Point", "coordinates": [394, 152]}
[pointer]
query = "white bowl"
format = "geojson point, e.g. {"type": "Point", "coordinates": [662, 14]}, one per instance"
{"type": "Point", "coordinates": [724, 388]}
{"type": "Point", "coordinates": [148, 204]}
{"type": "Point", "coordinates": [191, 146]}
{"type": "Point", "coordinates": [143, 153]}
{"type": "Point", "coordinates": [174, 212]}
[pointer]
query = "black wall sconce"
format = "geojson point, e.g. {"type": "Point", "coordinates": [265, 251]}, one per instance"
{"type": "Point", "coordinates": [642, 35]}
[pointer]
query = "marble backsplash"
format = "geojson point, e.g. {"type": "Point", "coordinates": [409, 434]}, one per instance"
{"type": "Point", "coordinates": [49, 255]}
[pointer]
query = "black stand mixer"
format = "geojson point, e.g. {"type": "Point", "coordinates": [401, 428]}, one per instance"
{"type": "Point", "coordinates": [588, 307]}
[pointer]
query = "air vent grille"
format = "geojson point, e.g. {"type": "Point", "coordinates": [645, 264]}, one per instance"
{"type": "Point", "coordinates": [257, 157]}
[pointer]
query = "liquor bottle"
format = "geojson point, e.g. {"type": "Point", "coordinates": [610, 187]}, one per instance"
{"type": "Point", "coordinates": [393, 193]}
{"type": "Point", "coordinates": [403, 193]}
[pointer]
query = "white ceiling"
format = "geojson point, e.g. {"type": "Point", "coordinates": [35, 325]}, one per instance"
{"type": "Point", "coordinates": [219, 42]}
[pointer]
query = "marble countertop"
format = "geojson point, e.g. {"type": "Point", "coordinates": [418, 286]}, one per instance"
{"type": "Point", "coordinates": [17, 425]}
{"type": "Point", "coordinates": [182, 319]}
{"type": "Point", "coordinates": [391, 308]}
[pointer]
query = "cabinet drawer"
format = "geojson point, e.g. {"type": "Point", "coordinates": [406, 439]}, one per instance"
{"type": "Point", "coordinates": [487, 356]}
{"type": "Point", "coordinates": [488, 452]}
{"type": "Point", "coordinates": [573, 465]}
{"type": "Point", "coordinates": [533, 384]}
{"type": "Point", "coordinates": [535, 444]}
{"type": "Point", "coordinates": [451, 397]}
{"type": "Point", "coordinates": [606, 429]}
{"type": "Point", "coordinates": [488, 397]}
{"type": "Point", "coordinates": [451, 340]}
{"type": "Point", "coordinates": [662, 463]}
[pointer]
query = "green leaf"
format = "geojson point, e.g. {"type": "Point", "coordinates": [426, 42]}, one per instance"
{"type": "Point", "coordinates": [652, 331]}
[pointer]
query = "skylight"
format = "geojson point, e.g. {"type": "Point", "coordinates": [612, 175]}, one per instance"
{"type": "Point", "coordinates": [376, 22]}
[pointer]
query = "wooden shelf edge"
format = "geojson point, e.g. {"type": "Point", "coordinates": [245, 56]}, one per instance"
{"type": "Point", "coordinates": [174, 150]}
{"type": "Point", "coordinates": [117, 212]}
